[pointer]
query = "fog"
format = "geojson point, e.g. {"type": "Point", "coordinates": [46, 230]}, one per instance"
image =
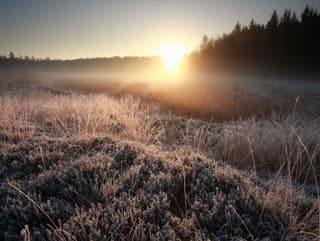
{"type": "Point", "coordinates": [209, 95]}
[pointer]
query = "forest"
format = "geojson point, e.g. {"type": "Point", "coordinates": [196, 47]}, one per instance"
{"type": "Point", "coordinates": [286, 44]}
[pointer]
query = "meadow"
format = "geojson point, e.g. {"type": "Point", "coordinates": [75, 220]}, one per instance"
{"type": "Point", "coordinates": [126, 165]}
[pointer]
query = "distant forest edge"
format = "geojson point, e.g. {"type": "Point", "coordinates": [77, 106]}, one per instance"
{"type": "Point", "coordinates": [287, 45]}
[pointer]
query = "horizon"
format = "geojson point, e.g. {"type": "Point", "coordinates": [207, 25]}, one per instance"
{"type": "Point", "coordinates": [69, 30]}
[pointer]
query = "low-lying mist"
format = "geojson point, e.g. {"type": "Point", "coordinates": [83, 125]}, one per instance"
{"type": "Point", "coordinates": [190, 91]}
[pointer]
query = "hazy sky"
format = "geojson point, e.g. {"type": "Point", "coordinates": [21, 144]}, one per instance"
{"type": "Point", "coordinates": [90, 28]}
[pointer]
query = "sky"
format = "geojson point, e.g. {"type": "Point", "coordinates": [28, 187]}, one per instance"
{"type": "Point", "coordinates": [69, 29]}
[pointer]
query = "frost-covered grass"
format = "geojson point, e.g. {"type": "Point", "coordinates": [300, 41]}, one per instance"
{"type": "Point", "coordinates": [77, 166]}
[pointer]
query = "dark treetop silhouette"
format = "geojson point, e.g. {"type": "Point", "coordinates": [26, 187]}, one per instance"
{"type": "Point", "coordinates": [285, 45]}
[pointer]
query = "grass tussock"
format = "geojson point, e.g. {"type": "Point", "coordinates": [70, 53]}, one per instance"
{"type": "Point", "coordinates": [95, 167]}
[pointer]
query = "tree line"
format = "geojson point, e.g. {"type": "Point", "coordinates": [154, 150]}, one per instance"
{"type": "Point", "coordinates": [285, 44]}
{"type": "Point", "coordinates": [12, 62]}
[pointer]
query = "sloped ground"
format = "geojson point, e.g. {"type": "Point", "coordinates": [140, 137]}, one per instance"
{"type": "Point", "coordinates": [117, 172]}
{"type": "Point", "coordinates": [98, 189]}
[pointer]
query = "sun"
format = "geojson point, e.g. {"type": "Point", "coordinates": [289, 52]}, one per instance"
{"type": "Point", "coordinates": [171, 54]}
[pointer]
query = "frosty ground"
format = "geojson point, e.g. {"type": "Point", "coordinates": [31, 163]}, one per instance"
{"type": "Point", "coordinates": [93, 166]}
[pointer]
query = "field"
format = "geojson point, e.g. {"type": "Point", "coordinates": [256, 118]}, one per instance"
{"type": "Point", "coordinates": [82, 165]}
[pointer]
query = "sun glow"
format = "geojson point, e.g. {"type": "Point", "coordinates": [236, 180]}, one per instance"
{"type": "Point", "coordinates": [171, 55]}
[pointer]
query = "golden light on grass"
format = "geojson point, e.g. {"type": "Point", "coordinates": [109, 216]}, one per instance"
{"type": "Point", "coordinates": [171, 55]}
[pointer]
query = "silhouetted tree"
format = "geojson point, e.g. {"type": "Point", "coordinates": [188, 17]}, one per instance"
{"type": "Point", "coordinates": [237, 28]}
{"type": "Point", "coordinates": [205, 41]}
{"type": "Point", "coordinates": [11, 56]}
{"type": "Point", "coordinates": [286, 18]}
{"type": "Point", "coordinates": [273, 23]}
